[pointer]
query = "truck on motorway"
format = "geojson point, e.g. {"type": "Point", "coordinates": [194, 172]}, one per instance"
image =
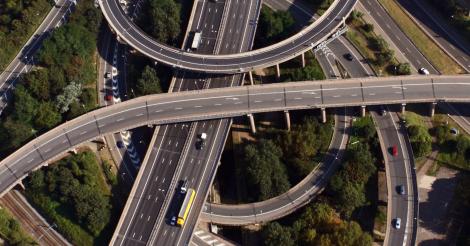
{"type": "Point", "coordinates": [186, 206]}
{"type": "Point", "coordinates": [196, 40]}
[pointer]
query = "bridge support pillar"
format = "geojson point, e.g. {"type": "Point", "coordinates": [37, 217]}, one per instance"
{"type": "Point", "coordinates": [432, 109]}
{"type": "Point", "coordinates": [250, 74]}
{"type": "Point", "coordinates": [252, 123]}
{"type": "Point", "coordinates": [278, 71]}
{"type": "Point", "coordinates": [303, 60]}
{"type": "Point", "coordinates": [363, 110]}
{"type": "Point", "coordinates": [403, 108]}
{"type": "Point", "coordinates": [287, 115]}
{"type": "Point", "coordinates": [323, 115]}
{"type": "Point", "coordinates": [22, 185]}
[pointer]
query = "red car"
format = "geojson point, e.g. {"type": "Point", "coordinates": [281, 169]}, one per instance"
{"type": "Point", "coordinates": [394, 150]}
{"type": "Point", "coordinates": [108, 97]}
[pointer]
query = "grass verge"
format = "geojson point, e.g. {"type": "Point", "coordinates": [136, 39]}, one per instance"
{"type": "Point", "coordinates": [430, 50]}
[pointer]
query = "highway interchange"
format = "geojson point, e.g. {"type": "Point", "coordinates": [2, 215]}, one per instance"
{"type": "Point", "coordinates": [318, 95]}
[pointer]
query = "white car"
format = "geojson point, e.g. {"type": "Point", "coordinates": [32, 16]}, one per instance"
{"type": "Point", "coordinates": [423, 71]}
{"type": "Point", "coordinates": [397, 223]}
{"type": "Point", "coordinates": [173, 221]}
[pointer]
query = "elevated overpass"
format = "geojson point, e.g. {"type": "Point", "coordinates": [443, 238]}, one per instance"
{"type": "Point", "coordinates": [228, 102]}
{"type": "Point", "coordinates": [294, 46]}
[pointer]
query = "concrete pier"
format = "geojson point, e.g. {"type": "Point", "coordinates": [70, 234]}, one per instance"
{"type": "Point", "coordinates": [303, 60]}
{"type": "Point", "coordinates": [323, 115]}
{"type": "Point", "coordinates": [252, 123]}
{"type": "Point", "coordinates": [278, 71]}
{"type": "Point", "coordinates": [363, 111]}
{"type": "Point", "coordinates": [403, 108]}
{"type": "Point", "coordinates": [287, 115]}
{"type": "Point", "coordinates": [250, 74]}
{"type": "Point", "coordinates": [432, 109]}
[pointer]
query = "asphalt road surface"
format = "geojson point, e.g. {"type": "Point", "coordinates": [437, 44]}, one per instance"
{"type": "Point", "coordinates": [233, 63]}
{"type": "Point", "coordinates": [392, 133]}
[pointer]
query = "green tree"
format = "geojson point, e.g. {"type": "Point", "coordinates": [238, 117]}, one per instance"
{"type": "Point", "coordinates": [161, 19]}
{"type": "Point", "coordinates": [275, 234]}
{"type": "Point", "coordinates": [442, 133]}
{"type": "Point", "coordinates": [17, 132]}
{"type": "Point", "coordinates": [47, 116]}
{"type": "Point", "coordinates": [273, 26]}
{"type": "Point", "coordinates": [38, 83]}
{"type": "Point", "coordinates": [25, 105]}
{"type": "Point", "coordinates": [421, 140]}
{"type": "Point", "coordinates": [148, 83]}
{"type": "Point", "coordinates": [265, 172]}
{"type": "Point", "coordinates": [69, 96]}
{"type": "Point", "coordinates": [403, 69]}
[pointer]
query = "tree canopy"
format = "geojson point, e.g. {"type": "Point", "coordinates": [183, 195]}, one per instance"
{"type": "Point", "coordinates": [148, 83]}
{"type": "Point", "coordinates": [162, 20]}
{"type": "Point", "coordinates": [318, 224]}
{"type": "Point", "coordinates": [273, 26]}
{"type": "Point", "coordinates": [78, 188]}
{"type": "Point", "coordinates": [264, 169]}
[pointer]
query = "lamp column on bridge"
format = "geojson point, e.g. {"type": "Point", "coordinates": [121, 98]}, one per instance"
{"type": "Point", "coordinates": [363, 110]}
{"type": "Point", "coordinates": [252, 123]}
{"type": "Point", "coordinates": [433, 109]}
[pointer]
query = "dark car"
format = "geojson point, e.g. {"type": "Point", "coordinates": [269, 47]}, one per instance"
{"type": "Point", "coordinates": [383, 112]}
{"type": "Point", "coordinates": [348, 56]}
{"type": "Point", "coordinates": [401, 189]}
{"type": "Point", "coordinates": [200, 144]}
{"type": "Point", "coordinates": [120, 144]}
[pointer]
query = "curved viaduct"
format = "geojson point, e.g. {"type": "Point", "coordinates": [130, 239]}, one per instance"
{"type": "Point", "coordinates": [228, 102]}
{"type": "Point", "coordinates": [309, 37]}
{"type": "Point", "coordinates": [297, 196]}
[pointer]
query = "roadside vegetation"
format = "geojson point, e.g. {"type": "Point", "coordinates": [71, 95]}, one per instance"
{"type": "Point", "coordinates": [420, 138]}
{"type": "Point", "coordinates": [348, 186]}
{"type": "Point", "coordinates": [144, 77]}
{"type": "Point", "coordinates": [73, 194]}
{"type": "Point", "coordinates": [162, 20]}
{"type": "Point", "coordinates": [374, 47]}
{"type": "Point", "coordinates": [279, 158]}
{"type": "Point", "coordinates": [345, 213]}
{"type": "Point", "coordinates": [62, 85]}
{"type": "Point", "coordinates": [11, 231]}
{"type": "Point", "coordinates": [454, 149]}
{"type": "Point", "coordinates": [320, 5]}
{"type": "Point", "coordinates": [273, 26]}
{"type": "Point", "coordinates": [431, 51]}
{"type": "Point", "coordinates": [18, 21]}
{"type": "Point", "coordinates": [455, 14]}
{"type": "Point", "coordinates": [317, 224]}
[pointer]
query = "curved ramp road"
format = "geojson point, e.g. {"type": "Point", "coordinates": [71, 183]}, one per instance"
{"type": "Point", "coordinates": [233, 63]}
{"type": "Point", "coordinates": [297, 196]}
{"type": "Point", "coordinates": [228, 102]}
